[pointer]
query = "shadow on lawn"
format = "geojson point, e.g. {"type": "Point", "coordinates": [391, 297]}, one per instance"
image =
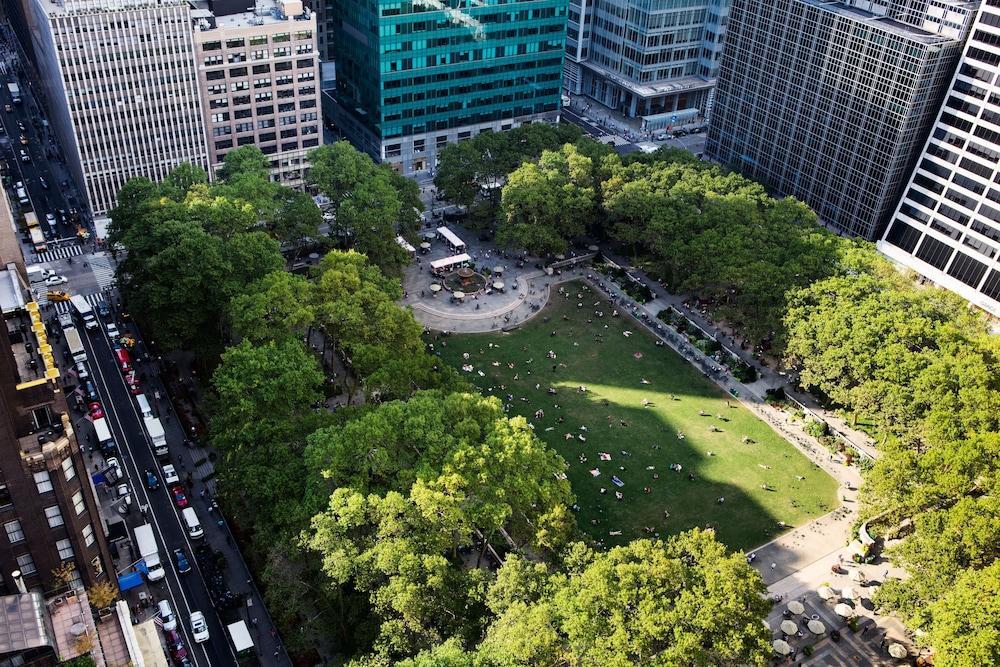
{"type": "Point", "coordinates": [624, 370]}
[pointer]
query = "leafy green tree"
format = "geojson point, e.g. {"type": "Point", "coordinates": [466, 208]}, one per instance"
{"type": "Point", "coordinates": [338, 168]}
{"type": "Point", "coordinates": [371, 214]}
{"type": "Point", "coordinates": [244, 160]}
{"type": "Point", "coordinates": [278, 306]}
{"type": "Point", "coordinates": [545, 204]}
{"type": "Point", "coordinates": [683, 601]}
{"type": "Point", "coordinates": [297, 217]}
{"type": "Point", "coordinates": [964, 625]}
{"type": "Point", "coordinates": [476, 168]}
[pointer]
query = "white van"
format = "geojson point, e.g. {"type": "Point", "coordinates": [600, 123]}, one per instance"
{"type": "Point", "coordinates": [167, 616]}
{"type": "Point", "coordinates": [191, 521]}
{"type": "Point", "coordinates": [143, 406]}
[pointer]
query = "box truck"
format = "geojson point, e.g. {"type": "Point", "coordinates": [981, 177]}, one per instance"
{"type": "Point", "coordinates": [146, 544]}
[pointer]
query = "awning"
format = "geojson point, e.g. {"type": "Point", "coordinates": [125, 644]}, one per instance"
{"type": "Point", "coordinates": [130, 580]}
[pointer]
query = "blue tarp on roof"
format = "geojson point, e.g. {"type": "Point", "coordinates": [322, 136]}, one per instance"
{"type": "Point", "coordinates": [130, 580]}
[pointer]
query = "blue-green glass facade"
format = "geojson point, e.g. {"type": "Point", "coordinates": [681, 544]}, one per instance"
{"type": "Point", "coordinates": [419, 67]}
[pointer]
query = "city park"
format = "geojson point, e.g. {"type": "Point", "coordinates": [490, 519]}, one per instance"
{"type": "Point", "coordinates": [653, 446]}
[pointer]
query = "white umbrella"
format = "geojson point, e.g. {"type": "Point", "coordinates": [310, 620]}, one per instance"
{"type": "Point", "coordinates": [897, 650]}
{"type": "Point", "coordinates": [498, 284]}
{"type": "Point", "coordinates": [843, 610]}
{"type": "Point", "coordinates": [781, 647]}
{"type": "Point", "coordinates": [816, 627]}
{"type": "Point", "coordinates": [789, 627]}
{"type": "Point", "coordinates": [826, 592]}
{"type": "Point", "coordinates": [849, 593]}
{"type": "Point", "coordinates": [857, 575]}
{"type": "Point", "coordinates": [796, 607]}
{"type": "Point", "coordinates": [458, 295]}
{"type": "Point", "coordinates": [497, 269]}
{"type": "Point", "coordinates": [435, 287]}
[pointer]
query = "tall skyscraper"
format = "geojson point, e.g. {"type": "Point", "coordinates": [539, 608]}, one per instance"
{"type": "Point", "coordinates": [122, 86]}
{"type": "Point", "coordinates": [831, 101]}
{"type": "Point", "coordinates": [947, 225]}
{"type": "Point", "coordinates": [259, 81]}
{"type": "Point", "coordinates": [415, 75]}
{"type": "Point", "coordinates": [47, 508]}
{"type": "Point", "coordinates": [646, 58]}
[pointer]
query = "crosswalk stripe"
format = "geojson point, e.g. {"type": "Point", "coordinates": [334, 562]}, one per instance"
{"type": "Point", "coordinates": [61, 307]}
{"type": "Point", "coordinates": [59, 253]}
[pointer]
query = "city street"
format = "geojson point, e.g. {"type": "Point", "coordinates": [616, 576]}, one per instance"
{"type": "Point", "coordinates": [44, 177]}
{"type": "Point", "coordinates": [92, 274]}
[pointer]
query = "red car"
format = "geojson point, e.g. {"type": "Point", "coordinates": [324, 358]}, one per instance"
{"type": "Point", "coordinates": [95, 410]}
{"type": "Point", "coordinates": [179, 498]}
{"type": "Point", "coordinates": [124, 359]}
{"type": "Point", "coordinates": [176, 645]}
{"type": "Point", "coordinates": [132, 380]}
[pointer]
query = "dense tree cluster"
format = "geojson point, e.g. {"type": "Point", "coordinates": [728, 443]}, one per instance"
{"type": "Point", "coordinates": [371, 203]}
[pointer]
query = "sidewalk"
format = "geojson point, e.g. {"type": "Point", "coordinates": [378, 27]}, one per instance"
{"type": "Point", "coordinates": [769, 378]}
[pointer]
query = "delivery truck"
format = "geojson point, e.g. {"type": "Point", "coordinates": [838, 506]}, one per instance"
{"type": "Point", "coordinates": [146, 544]}
{"type": "Point", "coordinates": [74, 344]}
{"type": "Point", "coordinates": [156, 434]}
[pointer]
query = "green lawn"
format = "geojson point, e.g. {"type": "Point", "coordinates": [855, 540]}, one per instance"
{"type": "Point", "coordinates": [613, 367]}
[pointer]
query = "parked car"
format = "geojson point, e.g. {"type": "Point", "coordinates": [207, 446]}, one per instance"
{"type": "Point", "coordinates": [183, 565]}
{"type": "Point", "coordinates": [24, 140]}
{"type": "Point", "coordinates": [53, 281]}
{"type": "Point", "coordinates": [199, 628]}
{"type": "Point", "coordinates": [170, 475]}
{"type": "Point", "coordinates": [24, 156]}
{"type": "Point", "coordinates": [90, 391]}
{"type": "Point", "coordinates": [132, 380]}
{"type": "Point", "coordinates": [126, 498]}
{"type": "Point", "coordinates": [81, 371]}
{"type": "Point", "coordinates": [152, 482]}
{"type": "Point", "coordinates": [20, 126]}
{"type": "Point", "coordinates": [113, 333]}
{"type": "Point", "coordinates": [43, 183]}
{"type": "Point", "coordinates": [114, 467]}
{"type": "Point", "coordinates": [179, 498]}
{"type": "Point", "coordinates": [175, 644]}
{"type": "Point", "coordinates": [95, 409]}
{"type": "Point", "coordinates": [123, 359]}
{"type": "Point", "coordinates": [167, 616]}
{"type": "Point", "coordinates": [104, 310]}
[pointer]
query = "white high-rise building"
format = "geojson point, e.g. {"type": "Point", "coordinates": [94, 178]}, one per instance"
{"type": "Point", "coordinates": [947, 224]}
{"type": "Point", "coordinates": [122, 86]}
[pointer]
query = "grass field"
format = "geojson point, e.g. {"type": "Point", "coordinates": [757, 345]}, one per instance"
{"type": "Point", "coordinates": [651, 404]}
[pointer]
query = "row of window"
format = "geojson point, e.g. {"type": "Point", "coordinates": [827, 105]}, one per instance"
{"type": "Point", "coordinates": [258, 40]}
{"type": "Point", "coordinates": [240, 72]}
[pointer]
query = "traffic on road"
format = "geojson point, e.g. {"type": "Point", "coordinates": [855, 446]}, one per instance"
{"type": "Point", "coordinates": [176, 560]}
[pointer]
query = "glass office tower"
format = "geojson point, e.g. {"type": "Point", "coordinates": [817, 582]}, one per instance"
{"type": "Point", "coordinates": [415, 75]}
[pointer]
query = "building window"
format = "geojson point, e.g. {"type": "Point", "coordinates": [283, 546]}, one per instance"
{"type": "Point", "coordinates": [69, 472]}
{"type": "Point", "coordinates": [5, 499]}
{"type": "Point", "coordinates": [26, 564]}
{"type": "Point", "coordinates": [259, 54]}
{"type": "Point", "coordinates": [43, 482]}
{"type": "Point", "coordinates": [235, 43]}
{"type": "Point", "coordinates": [211, 46]}
{"type": "Point", "coordinates": [213, 60]}
{"type": "Point", "coordinates": [65, 548]}
{"type": "Point", "coordinates": [261, 69]}
{"type": "Point", "coordinates": [239, 85]}
{"type": "Point", "coordinates": [281, 37]}
{"type": "Point", "coordinates": [88, 535]}
{"type": "Point", "coordinates": [54, 516]}
{"type": "Point", "coordinates": [258, 40]}
{"type": "Point", "coordinates": [223, 145]}
{"type": "Point", "coordinates": [78, 505]}
{"type": "Point", "coordinates": [14, 532]}
{"type": "Point", "coordinates": [220, 117]}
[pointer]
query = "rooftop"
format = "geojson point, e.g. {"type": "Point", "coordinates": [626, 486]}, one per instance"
{"type": "Point", "coordinates": [210, 15]}
{"type": "Point", "coordinates": [847, 10]}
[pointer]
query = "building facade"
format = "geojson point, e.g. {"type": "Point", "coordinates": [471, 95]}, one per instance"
{"type": "Point", "coordinates": [653, 58]}
{"type": "Point", "coordinates": [947, 224]}
{"type": "Point", "coordinates": [47, 508]}
{"type": "Point", "coordinates": [122, 86]}
{"type": "Point", "coordinates": [831, 101]}
{"type": "Point", "coordinates": [414, 75]}
{"type": "Point", "coordinates": [259, 80]}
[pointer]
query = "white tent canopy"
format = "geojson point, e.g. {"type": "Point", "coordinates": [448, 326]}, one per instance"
{"type": "Point", "coordinates": [450, 237]}
{"type": "Point", "coordinates": [448, 262]}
